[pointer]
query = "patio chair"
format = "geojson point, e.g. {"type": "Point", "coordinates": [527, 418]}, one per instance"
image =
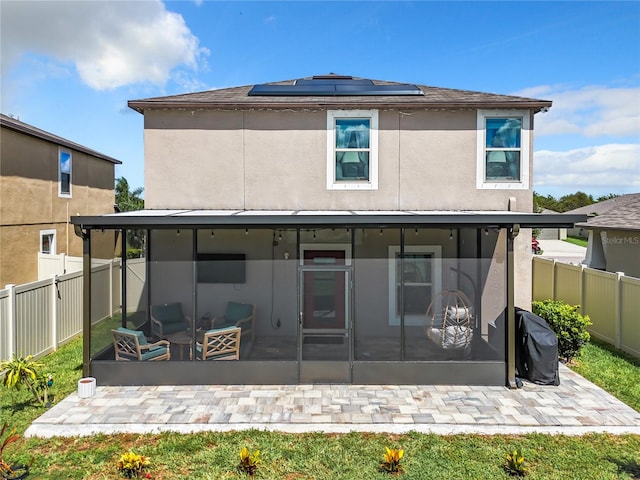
{"type": "Point", "coordinates": [239, 315]}
{"type": "Point", "coordinates": [448, 322]}
{"type": "Point", "coordinates": [219, 344]}
{"type": "Point", "coordinates": [167, 319]}
{"type": "Point", "coordinates": [133, 345]}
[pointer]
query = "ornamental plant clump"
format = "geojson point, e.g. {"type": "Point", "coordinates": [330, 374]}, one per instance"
{"type": "Point", "coordinates": [132, 465]}
{"type": "Point", "coordinates": [7, 470]}
{"type": "Point", "coordinates": [515, 465]}
{"type": "Point", "coordinates": [249, 461]}
{"type": "Point", "coordinates": [391, 462]}
{"type": "Point", "coordinates": [21, 371]}
{"type": "Point", "coordinates": [568, 324]}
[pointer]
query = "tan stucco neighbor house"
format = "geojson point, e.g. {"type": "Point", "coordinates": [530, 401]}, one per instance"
{"type": "Point", "coordinates": [44, 180]}
{"type": "Point", "coordinates": [356, 230]}
{"type": "Point", "coordinates": [613, 228]}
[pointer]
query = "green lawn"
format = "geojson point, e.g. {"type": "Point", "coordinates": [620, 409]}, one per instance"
{"type": "Point", "coordinates": [314, 456]}
{"type": "Point", "coordinates": [577, 241]}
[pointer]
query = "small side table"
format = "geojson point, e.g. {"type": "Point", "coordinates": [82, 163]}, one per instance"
{"type": "Point", "coordinates": [182, 341]}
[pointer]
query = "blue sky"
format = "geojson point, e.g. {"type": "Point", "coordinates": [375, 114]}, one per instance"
{"type": "Point", "coordinates": [70, 67]}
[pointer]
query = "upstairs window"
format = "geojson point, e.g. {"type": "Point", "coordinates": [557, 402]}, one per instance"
{"type": "Point", "coordinates": [503, 149]}
{"type": "Point", "coordinates": [64, 173]}
{"type": "Point", "coordinates": [352, 149]}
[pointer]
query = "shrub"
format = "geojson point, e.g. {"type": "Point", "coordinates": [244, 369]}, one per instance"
{"type": "Point", "coordinates": [568, 324]}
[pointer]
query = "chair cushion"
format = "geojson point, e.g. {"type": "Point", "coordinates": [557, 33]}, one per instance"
{"type": "Point", "coordinates": [173, 327]}
{"type": "Point", "coordinates": [237, 311]}
{"type": "Point", "coordinates": [142, 340]}
{"type": "Point", "coordinates": [154, 352]}
{"type": "Point", "coordinates": [223, 322]}
{"type": "Point", "coordinates": [170, 313]}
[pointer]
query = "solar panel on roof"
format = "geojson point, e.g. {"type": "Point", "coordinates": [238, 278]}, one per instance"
{"type": "Point", "coordinates": [334, 87]}
{"type": "Point", "coordinates": [333, 81]}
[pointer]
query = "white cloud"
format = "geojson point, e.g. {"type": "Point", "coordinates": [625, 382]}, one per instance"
{"type": "Point", "coordinates": [111, 44]}
{"type": "Point", "coordinates": [590, 111]}
{"type": "Point", "coordinates": [614, 166]}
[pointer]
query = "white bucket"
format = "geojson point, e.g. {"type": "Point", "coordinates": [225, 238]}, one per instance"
{"type": "Point", "coordinates": [86, 387]}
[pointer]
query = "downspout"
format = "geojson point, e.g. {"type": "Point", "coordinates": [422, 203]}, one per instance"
{"type": "Point", "coordinates": [85, 234]}
{"type": "Point", "coordinates": [511, 308]}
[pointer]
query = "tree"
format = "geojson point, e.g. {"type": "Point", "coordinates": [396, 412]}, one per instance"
{"type": "Point", "coordinates": [127, 201]}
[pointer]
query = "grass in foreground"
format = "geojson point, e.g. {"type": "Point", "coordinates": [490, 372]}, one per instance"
{"type": "Point", "coordinates": [350, 456]}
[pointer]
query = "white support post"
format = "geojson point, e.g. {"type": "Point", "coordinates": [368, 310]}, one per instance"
{"type": "Point", "coordinates": [54, 312]}
{"type": "Point", "coordinates": [11, 321]}
{"type": "Point", "coordinates": [111, 289]}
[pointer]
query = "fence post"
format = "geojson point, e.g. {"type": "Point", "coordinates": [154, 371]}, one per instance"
{"type": "Point", "coordinates": [11, 321]}
{"type": "Point", "coordinates": [54, 311]}
{"type": "Point", "coordinates": [618, 309]}
{"type": "Point", "coordinates": [553, 279]}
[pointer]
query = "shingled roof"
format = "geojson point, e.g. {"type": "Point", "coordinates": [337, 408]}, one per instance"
{"type": "Point", "coordinates": [18, 126]}
{"type": "Point", "coordinates": [432, 97]}
{"type": "Point", "coordinates": [619, 213]}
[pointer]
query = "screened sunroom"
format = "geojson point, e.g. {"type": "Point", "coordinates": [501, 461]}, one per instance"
{"type": "Point", "coordinates": [264, 297]}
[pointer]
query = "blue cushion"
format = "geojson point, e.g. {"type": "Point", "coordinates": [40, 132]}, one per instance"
{"type": "Point", "coordinates": [142, 340]}
{"type": "Point", "coordinates": [168, 328]}
{"type": "Point", "coordinates": [170, 313]}
{"type": "Point", "coordinates": [237, 311]}
{"type": "Point", "coordinates": [223, 322]}
{"type": "Point", "coordinates": [154, 352]}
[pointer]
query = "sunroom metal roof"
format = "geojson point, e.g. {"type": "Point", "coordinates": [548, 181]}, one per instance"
{"type": "Point", "coordinates": [330, 218]}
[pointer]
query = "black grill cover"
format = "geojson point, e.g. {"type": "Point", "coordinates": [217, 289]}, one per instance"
{"type": "Point", "coordinates": [536, 349]}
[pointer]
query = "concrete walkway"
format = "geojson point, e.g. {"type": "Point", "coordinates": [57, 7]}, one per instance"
{"type": "Point", "coordinates": [575, 407]}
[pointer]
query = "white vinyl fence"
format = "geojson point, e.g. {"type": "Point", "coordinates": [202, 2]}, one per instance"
{"type": "Point", "coordinates": [612, 300]}
{"type": "Point", "coordinates": [37, 317]}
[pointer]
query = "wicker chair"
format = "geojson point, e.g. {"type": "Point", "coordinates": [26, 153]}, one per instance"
{"type": "Point", "coordinates": [448, 321]}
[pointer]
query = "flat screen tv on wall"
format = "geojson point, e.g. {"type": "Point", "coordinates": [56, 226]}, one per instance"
{"type": "Point", "coordinates": [221, 268]}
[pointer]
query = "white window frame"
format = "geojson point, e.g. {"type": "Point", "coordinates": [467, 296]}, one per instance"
{"type": "Point", "coordinates": [52, 244]}
{"type": "Point", "coordinates": [436, 281]}
{"type": "Point", "coordinates": [372, 183]}
{"type": "Point", "coordinates": [525, 149]}
{"type": "Point", "coordinates": [60, 192]}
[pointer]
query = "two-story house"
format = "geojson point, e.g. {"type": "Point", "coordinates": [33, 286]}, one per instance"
{"type": "Point", "coordinates": [44, 180]}
{"type": "Point", "coordinates": [378, 232]}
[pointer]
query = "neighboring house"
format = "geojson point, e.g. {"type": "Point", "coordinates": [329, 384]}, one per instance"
{"type": "Point", "coordinates": [44, 180]}
{"type": "Point", "coordinates": [613, 227]}
{"type": "Point", "coordinates": [381, 230]}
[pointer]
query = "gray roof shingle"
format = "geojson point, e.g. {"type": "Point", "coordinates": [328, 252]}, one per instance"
{"type": "Point", "coordinates": [433, 97]}
{"type": "Point", "coordinates": [619, 213]}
